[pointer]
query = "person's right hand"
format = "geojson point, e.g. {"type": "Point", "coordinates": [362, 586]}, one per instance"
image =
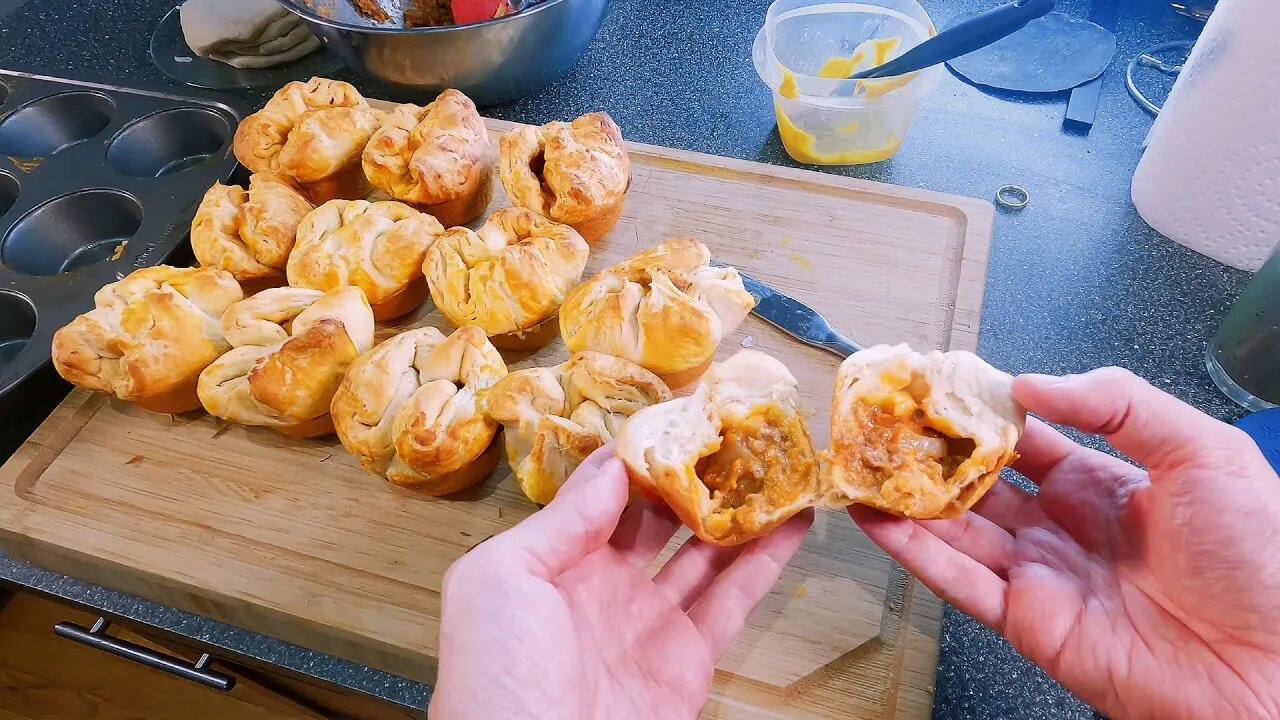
{"type": "Point", "coordinates": [1149, 594]}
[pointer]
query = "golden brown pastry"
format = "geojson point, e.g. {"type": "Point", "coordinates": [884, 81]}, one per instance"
{"type": "Point", "coordinates": [249, 233]}
{"type": "Point", "coordinates": [665, 308]}
{"type": "Point", "coordinates": [576, 173]}
{"type": "Point", "coordinates": [555, 417]}
{"type": "Point", "coordinates": [734, 460]}
{"type": "Point", "coordinates": [376, 246]}
{"type": "Point", "coordinates": [149, 336]}
{"type": "Point", "coordinates": [509, 278]}
{"type": "Point", "coordinates": [291, 347]}
{"type": "Point", "coordinates": [312, 133]}
{"type": "Point", "coordinates": [922, 436]}
{"type": "Point", "coordinates": [436, 158]}
{"type": "Point", "coordinates": [412, 410]}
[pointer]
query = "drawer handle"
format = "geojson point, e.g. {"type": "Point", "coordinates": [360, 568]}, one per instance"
{"type": "Point", "coordinates": [97, 637]}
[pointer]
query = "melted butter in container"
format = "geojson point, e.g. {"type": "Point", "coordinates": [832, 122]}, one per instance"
{"type": "Point", "coordinates": [805, 53]}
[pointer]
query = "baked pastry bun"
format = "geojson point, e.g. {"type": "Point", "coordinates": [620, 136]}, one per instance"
{"type": "Point", "coordinates": [576, 173]}
{"type": "Point", "coordinates": [919, 435]}
{"type": "Point", "coordinates": [734, 460]}
{"type": "Point", "coordinates": [553, 418]}
{"type": "Point", "coordinates": [312, 133]}
{"type": "Point", "coordinates": [249, 233]}
{"type": "Point", "coordinates": [436, 158]}
{"type": "Point", "coordinates": [291, 347]}
{"type": "Point", "coordinates": [149, 336]}
{"type": "Point", "coordinates": [665, 308]}
{"type": "Point", "coordinates": [375, 246]}
{"type": "Point", "coordinates": [412, 410]}
{"type": "Point", "coordinates": [509, 278]}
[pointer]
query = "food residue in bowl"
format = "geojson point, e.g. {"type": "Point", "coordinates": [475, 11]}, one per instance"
{"type": "Point", "coordinates": [803, 145]}
{"type": "Point", "coordinates": [843, 67]}
{"type": "Point", "coordinates": [434, 13]}
{"type": "Point", "coordinates": [868, 54]}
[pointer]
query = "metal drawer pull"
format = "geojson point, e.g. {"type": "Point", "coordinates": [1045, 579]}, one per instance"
{"type": "Point", "coordinates": [97, 637]}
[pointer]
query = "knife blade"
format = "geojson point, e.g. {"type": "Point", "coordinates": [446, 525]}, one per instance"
{"type": "Point", "coordinates": [795, 318]}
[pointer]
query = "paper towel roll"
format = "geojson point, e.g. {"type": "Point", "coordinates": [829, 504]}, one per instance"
{"type": "Point", "coordinates": [1210, 176]}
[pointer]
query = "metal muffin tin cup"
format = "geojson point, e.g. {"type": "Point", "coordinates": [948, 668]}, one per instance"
{"type": "Point", "coordinates": [96, 181]}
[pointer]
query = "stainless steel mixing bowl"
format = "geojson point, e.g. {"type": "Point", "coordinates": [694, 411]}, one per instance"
{"type": "Point", "coordinates": [492, 62]}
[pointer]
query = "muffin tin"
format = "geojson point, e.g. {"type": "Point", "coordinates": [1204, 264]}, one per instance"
{"type": "Point", "coordinates": [95, 181]}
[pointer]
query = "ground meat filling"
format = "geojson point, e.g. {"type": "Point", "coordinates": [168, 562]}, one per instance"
{"type": "Point", "coordinates": [900, 453]}
{"type": "Point", "coordinates": [765, 462]}
{"type": "Point", "coordinates": [538, 166]}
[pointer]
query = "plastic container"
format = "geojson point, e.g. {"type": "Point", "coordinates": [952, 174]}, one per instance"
{"type": "Point", "coordinates": [805, 52]}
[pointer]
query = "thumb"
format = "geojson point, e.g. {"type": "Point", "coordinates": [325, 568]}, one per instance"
{"type": "Point", "coordinates": [576, 523]}
{"type": "Point", "coordinates": [1141, 421]}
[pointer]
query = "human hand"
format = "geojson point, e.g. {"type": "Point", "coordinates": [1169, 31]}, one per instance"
{"type": "Point", "coordinates": [558, 618]}
{"type": "Point", "coordinates": [1149, 594]}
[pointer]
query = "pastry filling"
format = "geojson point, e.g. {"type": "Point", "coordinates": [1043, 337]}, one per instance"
{"type": "Point", "coordinates": [899, 451]}
{"type": "Point", "coordinates": [765, 463]}
{"type": "Point", "coordinates": [538, 166]}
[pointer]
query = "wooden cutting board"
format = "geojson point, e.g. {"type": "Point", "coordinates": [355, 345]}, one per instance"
{"type": "Point", "coordinates": [293, 539]}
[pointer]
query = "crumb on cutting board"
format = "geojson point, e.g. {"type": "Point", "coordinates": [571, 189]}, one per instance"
{"type": "Point", "coordinates": [800, 261]}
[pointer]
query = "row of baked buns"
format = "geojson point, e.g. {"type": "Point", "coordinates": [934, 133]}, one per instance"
{"type": "Point", "coordinates": [328, 141]}
{"type": "Point", "coordinates": [420, 409]}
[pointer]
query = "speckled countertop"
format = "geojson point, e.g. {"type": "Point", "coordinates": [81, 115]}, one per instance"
{"type": "Point", "coordinates": [1077, 279]}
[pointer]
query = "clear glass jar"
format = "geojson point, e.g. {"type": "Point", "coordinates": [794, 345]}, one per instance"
{"type": "Point", "coordinates": [1244, 357]}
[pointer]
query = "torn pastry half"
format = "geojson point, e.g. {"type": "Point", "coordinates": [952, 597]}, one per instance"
{"type": "Point", "coordinates": [290, 350]}
{"type": "Point", "coordinates": [375, 246]}
{"type": "Point", "coordinates": [149, 336]}
{"type": "Point", "coordinates": [554, 417]}
{"type": "Point", "coordinates": [919, 435]}
{"type": "Point", "coordinates": [666, 308]}
{"type": "Point", "coordinates": [509, 277]}
{"type": "Point", "coordinates": [249, 232]}
{"type": "Point", "coordinates": [314, 134]}
{"type": "Point", "coordinates": [412, 409]}
{"type": "Point", "coordinates": [435, 157]}
{"type": "Point", "coordinates": [734, 460]}
{"type": "Point", "coordinates": [576, 173]}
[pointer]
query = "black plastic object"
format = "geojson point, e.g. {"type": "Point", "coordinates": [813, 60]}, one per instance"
{"type": "Point", "coordinates": [1082, 106]}
{"type": "Point", "coordinates": [173, 57]}
{"type": "Point", "coordinates": [973, 33]}
{"type": "Point", "coordinates": [1051, 54]}
{"type": "Point", "coordinates": [95, 182]}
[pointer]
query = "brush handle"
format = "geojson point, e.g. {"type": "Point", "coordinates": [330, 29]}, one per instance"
{"type": "Point", "coordinates": [977, 32]}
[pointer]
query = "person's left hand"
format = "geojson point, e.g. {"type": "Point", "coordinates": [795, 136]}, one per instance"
{"type": "Point", "coordinates": [557, 617]}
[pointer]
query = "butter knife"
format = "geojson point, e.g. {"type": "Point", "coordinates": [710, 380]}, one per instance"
{"type": "Point", "coordinates": [795, 318]}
